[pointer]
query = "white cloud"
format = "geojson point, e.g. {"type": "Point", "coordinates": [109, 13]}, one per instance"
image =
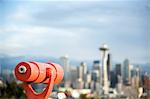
{"type": "Point", "coordinates": [38, 38]}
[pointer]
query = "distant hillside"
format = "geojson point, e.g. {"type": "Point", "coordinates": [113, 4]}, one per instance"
{"type": "Point", "coordinates": [9, 62]}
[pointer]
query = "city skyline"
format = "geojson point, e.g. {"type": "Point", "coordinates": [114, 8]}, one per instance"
{"type": "Point", "coordinates": [126, 81]}
{"type": "Point", "coordinates": [75, 28]}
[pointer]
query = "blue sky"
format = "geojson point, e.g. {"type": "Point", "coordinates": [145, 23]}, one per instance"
{"type": "Point", "coordinates": [76, 28]}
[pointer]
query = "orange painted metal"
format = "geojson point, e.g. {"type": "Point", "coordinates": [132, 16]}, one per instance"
{"type": "Point", "coordinates": [36, 72]}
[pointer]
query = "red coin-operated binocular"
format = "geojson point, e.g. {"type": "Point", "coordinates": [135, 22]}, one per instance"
{"type": "Point", "coordinates": [36, 72]}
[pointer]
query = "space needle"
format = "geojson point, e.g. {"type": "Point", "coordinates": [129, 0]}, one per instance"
{"type": "Point", "coordinates": [104, 50]}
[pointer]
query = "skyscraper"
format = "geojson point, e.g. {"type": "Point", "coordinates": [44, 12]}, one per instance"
{"type": "Point", "coordinates": [88, 79]}
{"type": "Point", "coordinates": [84, 66]}
{"type": "Point", "coordinates": [146, 84]}
{"type": "Point", "coordinates": [65, 65]}
{"type": "Point", "coordinates": [118, 73]}
{"type": "Point", "coordinates": [118, 69]}
{"type": "Point", "coordinates": [74, 76]}
{"type": "Point", "coordinates": [84, 71]}
{"type": "Point", "coordinates": [126, 72]}
{"type": "Point", "coordinates": [97, 69]}
{"type": "Point", "coordinates": [135, 77]}
{"type": "Point", "coordinates": [96, 83]}
{"type": "Point", "coordinates": [113, 79]}
{"type": "Point", "coordinates": [104, 58]}
{"type": "Point", "coordinates": [82, 74]}
{"type": "Point", "coordinates": [96, 65]}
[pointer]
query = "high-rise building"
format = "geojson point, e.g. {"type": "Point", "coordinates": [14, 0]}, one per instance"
{"type": "Point", "coordinates": [126, 72]}
{"type": "Point", "coordinates": [135, 72]}
{"type": "Point", "coordinates": [118, 73]}
{"type": "Point", "coordinates": [135, 77]}
{"type": "Point", "coordinates": [96, 83]}
{"type": "Point", "coordinates": [84, 70]}
{"type": "Point", "coordinates": [97, 69]}
{"type": "Point", "coordinates": [74, 76]}
{"type": "Point", "coordinates": [113, 79]}
{"type": "Point", "coordinates": [82, 75]}
{"type": "Point", "coordinates": [95, 75]}
{"type": "Point", "coordinates": [87, 80]}
{"type": "Point", "coordinates": [118, 69]}
{"type": "Point", "coordinates": [65, 65]}
{"type": "Point", "coordinates": [96, 65]}
{"type": "Point", "coordinates": [104, 58]}
{"type": "Point", "coordinates": [146, 83]}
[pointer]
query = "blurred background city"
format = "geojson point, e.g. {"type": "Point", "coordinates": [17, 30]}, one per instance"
{"type": "Point", "coordinates": [102, 45]}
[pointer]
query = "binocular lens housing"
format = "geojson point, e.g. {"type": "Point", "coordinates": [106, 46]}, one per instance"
{"type": "Point", "coordinates": [38, 72]}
